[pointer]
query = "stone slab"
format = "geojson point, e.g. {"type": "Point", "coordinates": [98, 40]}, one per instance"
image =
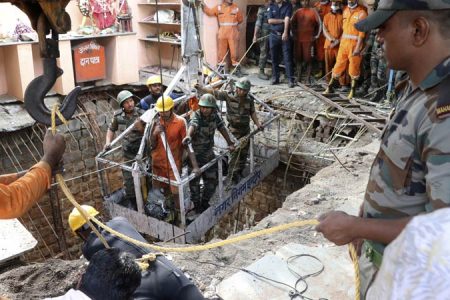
{"type": "Point", "coordinates": [335, 282]}
{"type": "Point", "coordinates": [14, 117]}
{"type": "Point", "coordinates": [15, 239]}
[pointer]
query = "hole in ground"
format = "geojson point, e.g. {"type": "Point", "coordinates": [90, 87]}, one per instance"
{"type": "Point", "coordinates": [263, 200]}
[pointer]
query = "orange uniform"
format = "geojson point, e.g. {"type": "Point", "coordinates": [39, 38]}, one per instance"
{"type": "Point", "coordinates": [323, 10]}
{"type": "Point", "coordinates": [305, 25]}
{"type": "Point", "coordinates": [18, 195]}
{"type": "Point", "coordinates": [332, 28]}
{"type": "Point", "coordinates": [229, 18]}
{"type": "Point", "coordinates": [348, 44]}
{"type": "Point", "coordinates": [175, 132]}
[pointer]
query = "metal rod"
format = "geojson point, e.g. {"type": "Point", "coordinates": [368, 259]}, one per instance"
{"type": "Point", "coordinates": [345, 111]}
{"type": "Point", "coordinates": [252, 156]}
{"type": "Point", "coordinates": [182, 208]}
{"type": "Point", "coordinates": [31, 152]}
{"type": "Point", "coordinates": [220, 170]}
{"type": "Point", "coordinates": [137, 187]}
{"type": "Point", "coordinates": [177, 236]}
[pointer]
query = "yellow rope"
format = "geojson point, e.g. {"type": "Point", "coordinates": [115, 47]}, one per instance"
{"type": "Point", "coordinates": [195, 248]}
{"type": "Point", "coordinates": [354, 257]}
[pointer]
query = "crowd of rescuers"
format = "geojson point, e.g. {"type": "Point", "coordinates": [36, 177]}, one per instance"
{"type": "Point", "coordinates": [318, 39]}
{"type": "Point", "coordinates": [402, 229]}
{"type": "Point", "coordinates": [188, 135]}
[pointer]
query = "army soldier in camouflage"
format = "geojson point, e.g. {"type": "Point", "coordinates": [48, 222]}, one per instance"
{"type": "Point", "coordinates": [121, 120]}
{"type": "Point", "coordinates": [201, 131]}
{"type": "Point", "coordinates": [378, 75]}
{"type": "Point", "coordinates": [411, 173]}
{"type": "Point", "coordinates": [240, 108]}
{"type": "Point", "coordinates": [262, 30]}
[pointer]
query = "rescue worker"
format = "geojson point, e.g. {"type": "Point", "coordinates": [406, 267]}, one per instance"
{"type": "Point", "coordinates": [323, 7]}
{"type": "Point", "coordinates": [122, 119]}
{"type": "Point", "coordinates": [306, 28]}
{"type": "Point", "coordinates": [280, 14]}
{"type": "Point", "coordinates": [229, 17]}
{"type": "Point", "coordinates": [155, 88]}
{"type": "Point", "coordinates": [174, 129]}
{"type": "Point", "coordinates": [350, 48]}
{"type": "Point", "coordinates": [332, 30]}
{"type": "Point", "coordinates": [240, 108]}
{"type": "Point", "coordinates": [378, 73]}
{"type": "Point", "coordinates": [162, 281]}
{"type": "Point", "coordinates": [110, 275]}
{"type": "Point", "coordinates": [262, 30]}
{"type": "Point", "coordinates": [201, 131]}
{"type": "Point", "coordinates": [410, 175]}
{"type": "Point", "coordinates": [20, 191]}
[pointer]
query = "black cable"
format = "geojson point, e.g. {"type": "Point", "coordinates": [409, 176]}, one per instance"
{"type": "Point", "coordinates": [301, 278]}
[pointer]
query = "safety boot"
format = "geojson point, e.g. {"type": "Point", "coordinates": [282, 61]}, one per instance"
{"type": "Point", "coordinates": [238, 72]}
{"type": "Point", "coordinates": [319, 73]}
{"type": "Point", "coordinates": [262, 75]}
{"type": "Point", "coordinates": [352, 89]}
{"type": "Point", "coordinates": [331, 86]}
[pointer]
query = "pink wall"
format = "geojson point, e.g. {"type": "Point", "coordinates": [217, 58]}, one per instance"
{"type": "Point", "coordinates": [3, 82]}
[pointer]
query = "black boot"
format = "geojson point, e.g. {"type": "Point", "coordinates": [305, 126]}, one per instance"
{"type": "Point", "coordinates": [319, 73]}
{"type": "Point", "coordinates": [238, 72]}
{"type": "Point", "coordinates": [352, 89]}
{"type": "Point", "coordinates": [262, 75]}
{"type": "Point", "coordinates": [331, 86]}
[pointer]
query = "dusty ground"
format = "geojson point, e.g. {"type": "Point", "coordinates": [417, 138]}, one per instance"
{"type": "Point", "coordinates": [338, 189]}
{"type": "Point", "coordinates": [334, 187]}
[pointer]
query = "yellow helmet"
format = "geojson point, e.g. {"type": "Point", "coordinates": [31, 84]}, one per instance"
{"type": "Point", "coordinates": [154, 80]}
{"type": "Point", "coordinates": [168, 104]}
{"type": "Point", "coordinates": [76, 220]}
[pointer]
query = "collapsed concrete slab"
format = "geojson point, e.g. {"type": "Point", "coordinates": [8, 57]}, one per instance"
{"type": "Point", "coordinates": [334, 282]}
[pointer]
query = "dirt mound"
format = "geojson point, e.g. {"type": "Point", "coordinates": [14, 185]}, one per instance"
{"type": "Point", "coordinates": [37, 281]}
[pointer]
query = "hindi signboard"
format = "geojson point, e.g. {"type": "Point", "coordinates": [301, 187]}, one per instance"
{"type": "Point", "coordinates": [89, 61]}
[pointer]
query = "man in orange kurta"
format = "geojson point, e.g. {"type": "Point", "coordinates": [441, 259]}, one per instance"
{"type": "Point", "coordinates": [323, 8]}
{"type": "Point", "coordinates": [350, 48]}
{"type": "Point", "coordinates": [229, 18]}
{"type": "Point", "coordinates": [332, 30]}
{"type": "Point", "coordinates": [305, 29]}
{"type": "Point", "coordinates": [19, 192]}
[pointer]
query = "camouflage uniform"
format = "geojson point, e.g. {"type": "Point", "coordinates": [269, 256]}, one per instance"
{"type": "Point", "coordinates": [411, 173]}
{"type": "Point", "coordinates": [366, 70]}
{"type": "Point", "coordinates": [238, 117]}
{"type": "Point", "coordinates": [130, 147]}
{"type": "Point", "coordinates": [262, 23]}
{"type": "Point", "coordinates": [378, 75]}
{"type": "Point", "coordinates": [203, 142]}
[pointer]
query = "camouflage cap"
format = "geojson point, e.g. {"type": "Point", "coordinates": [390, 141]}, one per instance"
{"type": "Point", "coordinates": [387, 8]}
